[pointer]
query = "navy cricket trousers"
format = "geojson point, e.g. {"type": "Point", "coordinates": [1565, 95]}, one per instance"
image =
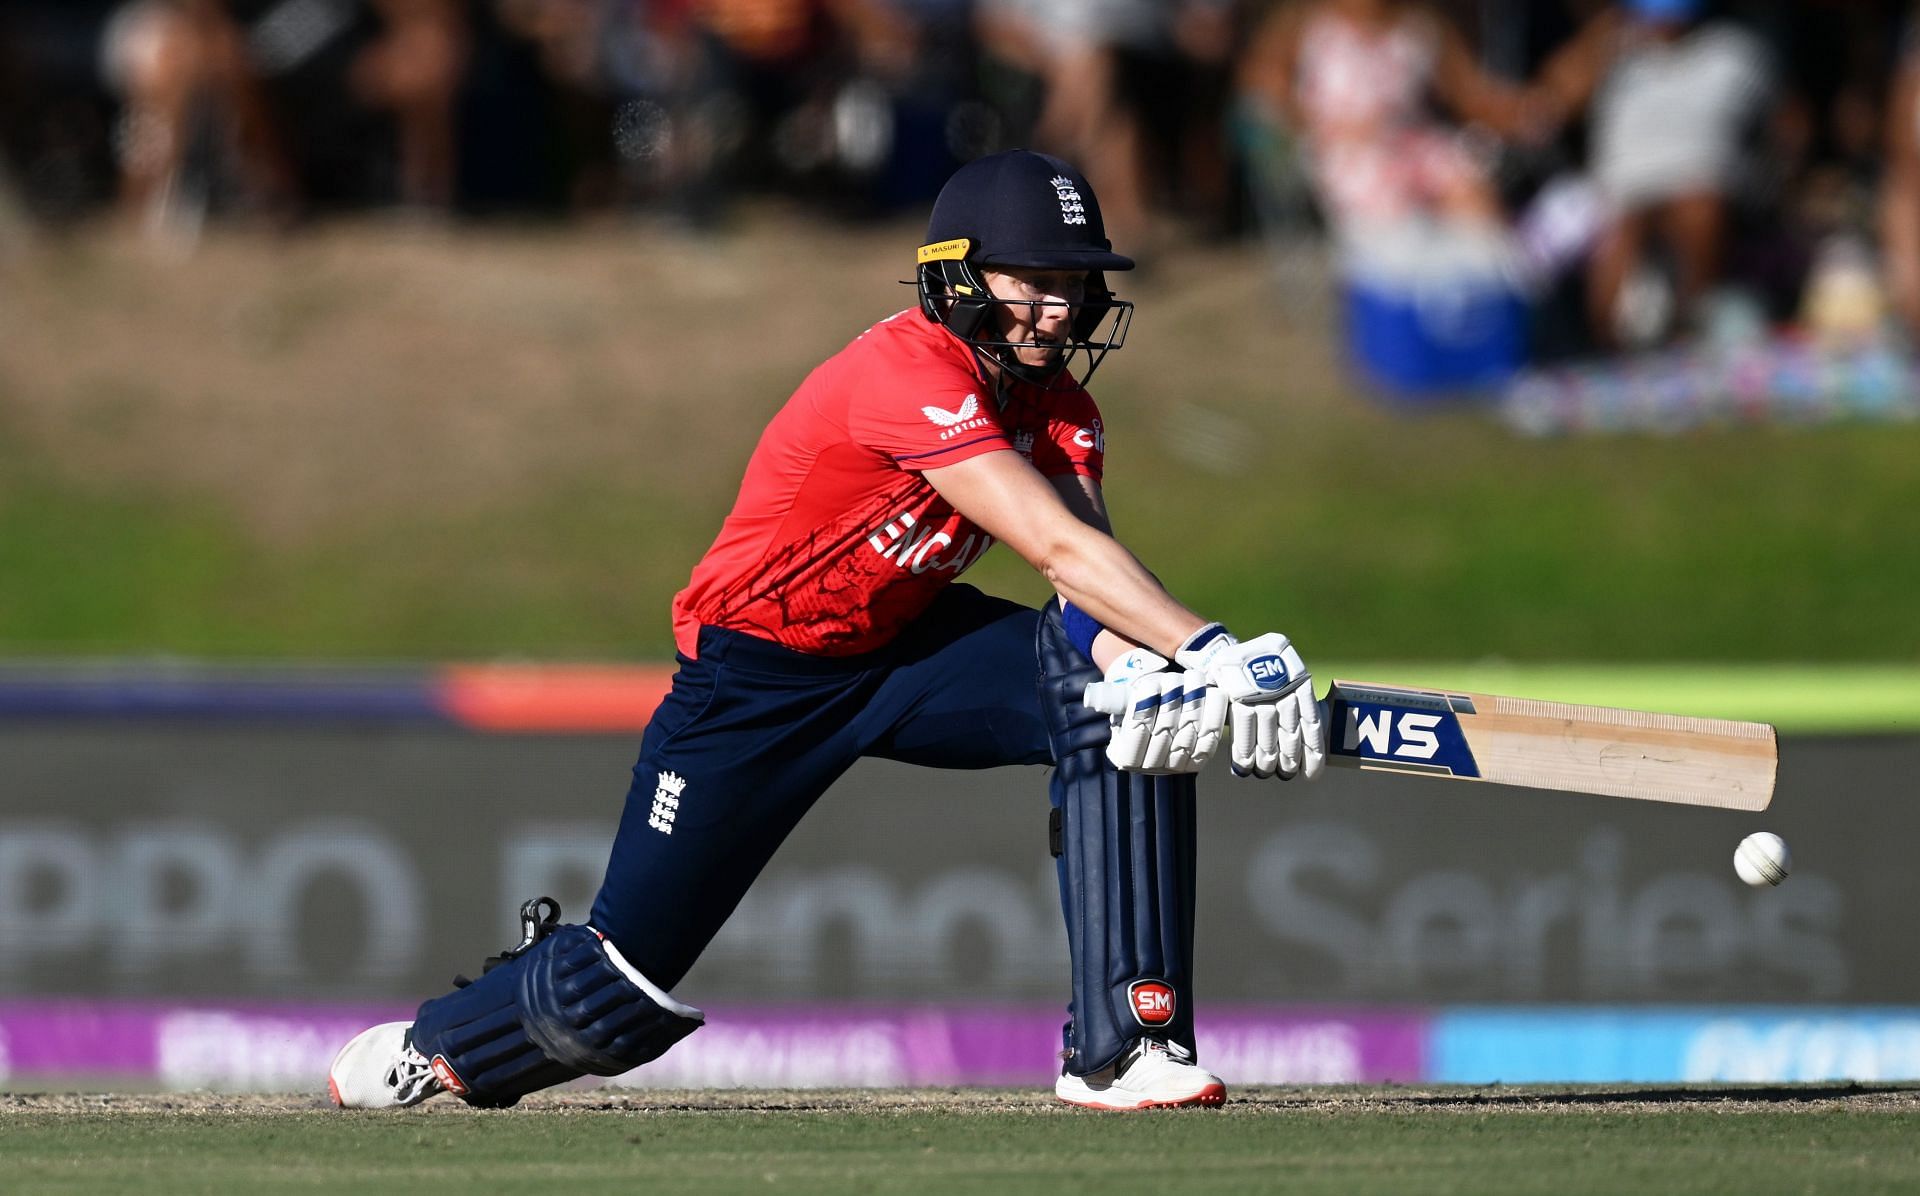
{"type": "Point", "coordinates": [753, 733]}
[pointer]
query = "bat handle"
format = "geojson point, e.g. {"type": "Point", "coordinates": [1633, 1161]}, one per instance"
{"type": "Point", "coordinates": [1107, 697]}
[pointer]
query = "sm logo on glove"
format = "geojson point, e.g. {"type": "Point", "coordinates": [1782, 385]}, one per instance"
{"type": "Point", "coordinates": [1269, 671]}
{"type": "Point", "coordinates": [1151, 1001]}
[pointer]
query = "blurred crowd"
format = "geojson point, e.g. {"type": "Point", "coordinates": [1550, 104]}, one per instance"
{"type": "Point", "coordinates": [284, 108]}
{"type": "Point", "coordinates": [1648, 169]}
{"type": "Point", "coordinates": [1629, 173]}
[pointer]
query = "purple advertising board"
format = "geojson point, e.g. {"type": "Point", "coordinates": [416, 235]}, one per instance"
{"type": "Point", "coordinates": [286, 1048]}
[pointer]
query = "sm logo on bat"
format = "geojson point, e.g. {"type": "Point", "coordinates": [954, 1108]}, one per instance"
{"type": "Point", "coordinates": [1411, 739]}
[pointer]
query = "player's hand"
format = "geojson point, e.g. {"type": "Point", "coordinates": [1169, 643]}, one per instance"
{"type": "Point", "coordinates": [1277, 728]}
{"type": "Point", "coordinates": [1164, 720]}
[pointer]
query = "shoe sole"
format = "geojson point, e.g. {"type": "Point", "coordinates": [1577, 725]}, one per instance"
{"type": "Point", "coordinates": [1210, 1097]}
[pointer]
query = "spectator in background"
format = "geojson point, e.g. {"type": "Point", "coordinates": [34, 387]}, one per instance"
{"type": "Point", "coordinates": [248, 104]}
{"type": "Point", "coordinates": [911, 108]}
{"type": "Point", "coordinates": [1900, 187]}
{"type": "Point", "coordinates": [1134, 89]}
{"type": "Point", "coordinates": [686, 101]}
{"type": "Point", "coordinates": [192, 121]}
{"type": "Point", "coordinates": [1352, 79]}
{"type": "Point", "coordinates": [412, 70]}
{"type": "Point", "coordinates": [624, 78]}
{"type": "Point", "coordinates": [51, 153]}
{"type": "Point", "coordinates": [1836, 58]}
{"type": "Point", "coordinates": [779, 64]}
{"type": "Point", "coordinates": [1674, 102]}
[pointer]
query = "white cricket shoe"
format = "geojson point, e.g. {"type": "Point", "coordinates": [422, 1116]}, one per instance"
{"type": "Point", "coordinates": [379, 1069]}
{"type": "Point", "coordinates": [1150, 1074]}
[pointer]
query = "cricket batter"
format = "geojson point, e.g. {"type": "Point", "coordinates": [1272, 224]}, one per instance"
{"type": "Point", "coordinates": [825, 625]}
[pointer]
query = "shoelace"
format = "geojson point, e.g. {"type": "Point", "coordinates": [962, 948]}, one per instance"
{"type": "Point", "coordinates": [1146, 1046]}
{"type": "Point", "coordinates": [411, 1077]}
{"type": "Point", "coordinates": [1179, 1054]}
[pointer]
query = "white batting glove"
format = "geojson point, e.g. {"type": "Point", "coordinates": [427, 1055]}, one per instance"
{"type": "Point", "coordinates": [1164, 720]}
{"type": "Point", "coordinates": [1277, 729]}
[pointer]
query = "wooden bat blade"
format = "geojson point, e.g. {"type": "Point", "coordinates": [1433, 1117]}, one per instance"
{"type": "Point", "coordinates": [1552, 745]}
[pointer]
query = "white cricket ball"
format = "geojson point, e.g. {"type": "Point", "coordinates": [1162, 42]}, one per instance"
{"type": "Point", "coordinates": [1762, 859]}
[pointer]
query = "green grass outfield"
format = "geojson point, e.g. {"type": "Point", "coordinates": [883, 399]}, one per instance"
{"type": "Point", "coordinates": [1353, 1142]}
{"type": "Point", "coordinates": [358, 444]}
{"type": "Point", "coordinates": [1797, 699]}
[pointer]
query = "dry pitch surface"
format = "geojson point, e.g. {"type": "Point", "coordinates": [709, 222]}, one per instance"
{"type": "Point", "coordinates": [1247, 1101]}
{"type": "Point", "coordinates": [1812, 1138]}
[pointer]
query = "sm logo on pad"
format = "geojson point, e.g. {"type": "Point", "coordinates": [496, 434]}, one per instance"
{"type": "Point", "coordinates": [449, 1078]}
{"type": "Point", "coordinates": [1151, 1002]}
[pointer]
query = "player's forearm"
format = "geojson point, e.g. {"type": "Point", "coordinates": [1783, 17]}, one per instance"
{"type": "Point", "coordinates": [1109, 647]}
{"type": "Point", "coordinates": [1096, 573]}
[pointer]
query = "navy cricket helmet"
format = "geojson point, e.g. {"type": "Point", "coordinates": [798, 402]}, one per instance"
{"type": "Point", "coordinates": [1019, 208]}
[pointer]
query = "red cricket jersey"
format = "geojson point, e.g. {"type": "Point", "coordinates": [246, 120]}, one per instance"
{"type": "Point", "coordinates": [836, 542]}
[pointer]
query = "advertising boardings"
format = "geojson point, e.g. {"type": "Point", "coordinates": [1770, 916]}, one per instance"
{"type": "Point", "coordinates": [373, 861]}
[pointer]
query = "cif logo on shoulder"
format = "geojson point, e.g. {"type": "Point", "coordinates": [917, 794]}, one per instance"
{"type": "Point", "coordinates": [1269, 671]}
{"type": "Point", "coordinates": [1151, 1002]}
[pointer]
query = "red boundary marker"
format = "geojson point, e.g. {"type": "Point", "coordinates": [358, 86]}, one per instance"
{"type": "Point", "coordinates": [553, 698]}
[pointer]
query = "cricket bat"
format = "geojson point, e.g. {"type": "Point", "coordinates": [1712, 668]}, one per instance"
{"type": "Point", "coordinates": [1540, 745]}
{"type": "Point", "coordinates": [1552, 745]}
